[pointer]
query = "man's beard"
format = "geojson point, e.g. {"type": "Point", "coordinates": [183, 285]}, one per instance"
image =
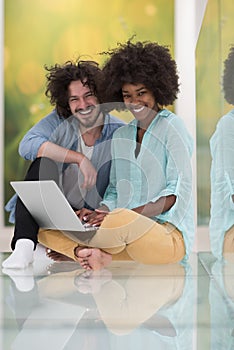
{"type": "Point", "coordinates": [91, 121]}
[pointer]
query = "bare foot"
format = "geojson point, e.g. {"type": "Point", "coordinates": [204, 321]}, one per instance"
{"type": "Point", "coordinates": [93, 258]}
{"type": "Point", "coordinates": [92, 281]}
{"type": "Point", "coordinates": [57, 256]}
{"type": "Point", "coordinates": [83, 258]}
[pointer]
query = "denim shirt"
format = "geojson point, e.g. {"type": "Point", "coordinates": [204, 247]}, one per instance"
{"type": "Point", "coordinates": [162, 168]}
{"type": "Point", "coordinates": [222, 182]}
{"type": "Point", "coordinates": [64, 132]}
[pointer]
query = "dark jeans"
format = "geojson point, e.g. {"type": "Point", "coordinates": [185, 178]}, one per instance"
{"type": "Point", "coordinates": [25, 225]}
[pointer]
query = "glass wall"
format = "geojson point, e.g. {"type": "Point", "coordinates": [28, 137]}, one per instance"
{"type": "Point", "coordinates": [214, 42]}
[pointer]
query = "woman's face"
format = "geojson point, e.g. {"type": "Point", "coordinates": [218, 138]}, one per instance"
{"type": "Point", "coordinates": [141, 102]}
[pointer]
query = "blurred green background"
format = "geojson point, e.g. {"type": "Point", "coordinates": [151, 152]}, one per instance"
{"type": "Point", "coordinates": [45, 32]}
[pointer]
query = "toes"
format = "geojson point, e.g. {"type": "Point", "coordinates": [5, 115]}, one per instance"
{"type": "Point", "coordinates": [84, 263]}
{"type": "Point", "coordinates": [84, 253]}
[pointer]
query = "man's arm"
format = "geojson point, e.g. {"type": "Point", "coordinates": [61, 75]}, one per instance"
{"type": "Point", "coordinates": [38, 134]}
{"type": "Point", "coordinates": [50, 138]}
{"type": "Point", "coordinates": [60, 154]}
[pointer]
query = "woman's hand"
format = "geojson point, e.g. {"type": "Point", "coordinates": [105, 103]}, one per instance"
{"type": "Point", "coordinates": [97, 219]}
{"type": "Point", "coordinates": [92, 218]}
{"type": "Point", "coordinates": [83, 213]}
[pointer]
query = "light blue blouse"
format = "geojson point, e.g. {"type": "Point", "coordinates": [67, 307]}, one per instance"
{"type": "Point", "coordinates": [222, 182]}
{"type": "Point", "coordinates": [162, 168]}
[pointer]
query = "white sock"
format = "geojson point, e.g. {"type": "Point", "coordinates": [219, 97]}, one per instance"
{"type": "Point", "coordinates": [40, 254]}
{"type": "Point", "coordinates": [23, 279]}
{"type": "Point", "coordinates": [22, 256]}
{"type": "Point", "coordinates": [41, 261]}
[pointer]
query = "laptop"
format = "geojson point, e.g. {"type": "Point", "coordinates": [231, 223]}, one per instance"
{"type": "Point", "coordinates": [50, 208]}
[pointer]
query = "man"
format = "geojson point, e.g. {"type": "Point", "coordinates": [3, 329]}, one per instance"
{"type": "Point", "coordinates": [71, 146]}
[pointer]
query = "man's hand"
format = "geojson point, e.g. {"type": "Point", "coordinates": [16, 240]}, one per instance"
{"type": "Point", "coordinates": [64, 155]}
{"type": "Point", "coordinates": [89, 173]}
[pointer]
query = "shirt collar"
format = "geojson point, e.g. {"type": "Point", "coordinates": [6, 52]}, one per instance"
{"type": "Point", "coordinates": [106, 123]}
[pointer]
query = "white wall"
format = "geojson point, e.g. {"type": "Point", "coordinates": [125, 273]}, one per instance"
{"type": "Point", "coordinates": [188, 20]}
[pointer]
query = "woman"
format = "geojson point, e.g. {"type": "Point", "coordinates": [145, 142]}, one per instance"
{"type": "Point", "coordinates": [147, 211]}
{"type": "Point", "coordinates": [221, 224]}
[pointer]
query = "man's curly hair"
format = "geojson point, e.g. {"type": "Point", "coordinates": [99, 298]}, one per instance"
{"type": "Point", "coordinates": [228, 77]}
{"type": "Point", "coordinates": [59, 78]}
{"type": "Point", "coordinates": [144, 63]}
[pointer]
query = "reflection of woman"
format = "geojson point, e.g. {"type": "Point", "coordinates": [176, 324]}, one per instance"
{"type": "Point", "coordinates": [134, 296]}
{"type": "Point", "coordinates": [118, 305]}
{"type": "Point", "coordinates": [221, 300]}
{"type": "Point", "coordinates": [222, 172]}
{"type": "Point", "coordinates": [151, 177]}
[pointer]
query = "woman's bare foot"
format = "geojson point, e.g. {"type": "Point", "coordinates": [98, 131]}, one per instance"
{"type": "Point", "coordinates": [93, 258]}
{"type": "Point", "coordinates": [57, 256]}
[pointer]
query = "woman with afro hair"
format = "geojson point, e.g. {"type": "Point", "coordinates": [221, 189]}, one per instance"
{"type": "Point", "coordinates": [222, 172]}
{"type": "Point", "coordinates": [147, 211]}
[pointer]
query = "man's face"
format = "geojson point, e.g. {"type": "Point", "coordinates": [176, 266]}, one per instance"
{"type": "Point", "coordinates": [83, 104]}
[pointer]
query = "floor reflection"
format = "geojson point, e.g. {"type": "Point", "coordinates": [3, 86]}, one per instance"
{"type": "Point", "coordinates": [127, 306]}
{"type": "Point", "coordinates": [221, 299]}
{"type": "Point", "coordinates": [222, 305]}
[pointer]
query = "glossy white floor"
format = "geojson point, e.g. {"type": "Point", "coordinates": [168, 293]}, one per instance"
{"type": "Point", "coordinates": [126, 306]}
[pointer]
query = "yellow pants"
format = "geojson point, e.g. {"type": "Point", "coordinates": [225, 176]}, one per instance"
{"type": "Point", "coordinates": [134, 296]}
{"type": "Point", "coordinates": [228, 245]}
{"type": "Point", "coordinates": [126, 235]}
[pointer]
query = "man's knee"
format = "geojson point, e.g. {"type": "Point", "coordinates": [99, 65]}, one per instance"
{"type": "Point", "coordinates": [43, 168]}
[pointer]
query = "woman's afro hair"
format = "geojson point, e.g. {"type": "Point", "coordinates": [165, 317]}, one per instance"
{"type": "Point", "coordinates": [144, 63]}
{"type": "Point", "coordinates": [228, 77]}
